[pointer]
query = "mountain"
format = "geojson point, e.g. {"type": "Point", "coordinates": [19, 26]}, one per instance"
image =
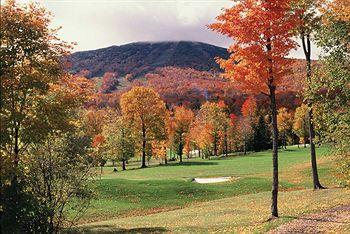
{"type": "Point", "coordinates": [183, 73]}
{"type": "Point", "coordinates": [140, 58]}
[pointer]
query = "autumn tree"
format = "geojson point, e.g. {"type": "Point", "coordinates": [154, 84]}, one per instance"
{"type": "Point", "coordinates": [159, 149]}
{"type": "Point", "coordinates": [94, 120]}
{"type": "Point", "coordinates": [119, 140]}
{"type": "Point", "coordinates": [202, 133]}
{"type": "Point", "coordinates": [146, 113]}
{"type": "Point", "coordinates": [248, 111]}
{"type": "Point", "coordinates": [262, 35]}
{"type": "Point", "coordinates": [183, 119]}
{"type": "Point", "coordinates": [309, 23]}
{"type": "Point", "coordinates": [285, 124]}
{"type": "Point", "coordinates": [300, 124]}
{"type": "Point", "coordinates": [233, 135]}
{"type": "Point", "coordinates": [214, 115]}
{"type": "Point", "coordinates": [28, 65]}
{"type": "Point", "coordinates": [109, 82]}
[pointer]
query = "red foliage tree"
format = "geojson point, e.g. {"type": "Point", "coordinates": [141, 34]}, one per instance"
{"type": "Point", "coordinates": [262, 35]}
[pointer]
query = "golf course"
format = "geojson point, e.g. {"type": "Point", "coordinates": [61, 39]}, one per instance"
{"type": "Point", "coordinates": [163, 198]}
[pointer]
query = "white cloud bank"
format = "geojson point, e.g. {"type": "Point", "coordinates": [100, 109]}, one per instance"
{"type": "Point", "coordinates": [97, 24]}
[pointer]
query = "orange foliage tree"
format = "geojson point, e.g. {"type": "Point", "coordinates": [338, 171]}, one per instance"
{"type": "Point", "coordinates": [262, 35]}
{"type": "Point", "coordinates": [147, 115]}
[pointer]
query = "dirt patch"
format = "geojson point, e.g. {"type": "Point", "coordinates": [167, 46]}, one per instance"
{"type": "Point", "coordinates": [335, 220]}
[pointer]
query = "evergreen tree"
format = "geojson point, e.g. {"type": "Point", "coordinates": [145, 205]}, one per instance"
{"type": "Point", "coordinates": [261, 137]}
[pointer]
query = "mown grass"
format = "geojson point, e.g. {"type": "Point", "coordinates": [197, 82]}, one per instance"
{"type": "Point", "coordinates": [161, 188]}
{"type": "Point", "coordinates": [244, 213]}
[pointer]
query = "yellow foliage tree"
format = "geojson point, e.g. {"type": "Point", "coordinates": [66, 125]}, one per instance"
{"type": "Point", "coordinates": [183, 119]}
{"type": "Point", "coordinates": [300, 124]}
{"type": "Point", "coordinates": [285, 124]}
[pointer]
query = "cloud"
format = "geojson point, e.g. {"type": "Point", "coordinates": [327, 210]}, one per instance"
{"type": "Point", "coordinates": [96, 24]}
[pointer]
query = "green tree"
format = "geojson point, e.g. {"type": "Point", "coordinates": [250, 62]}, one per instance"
{"type": "Point", "coordinates": [120, 141]}
{"type": "Point", "coordinates": [261, 137]}
{"type": "Point", "coordinates": [309, 23]}
{"type": "Point", "coordinates": [60, 176]}
{"type": "Point", "coordinates": [330, 87]}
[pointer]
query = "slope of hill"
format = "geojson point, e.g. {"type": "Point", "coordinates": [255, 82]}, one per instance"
{"type": "Point", "coordinates": [183, 73]}
{"type": "Point", "coordinates": [141, 58]}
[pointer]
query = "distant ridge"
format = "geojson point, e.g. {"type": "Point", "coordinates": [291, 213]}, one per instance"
{"type": "Point", "coordinates": [140, 58]}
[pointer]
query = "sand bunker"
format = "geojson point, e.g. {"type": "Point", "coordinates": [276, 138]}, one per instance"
{"type": "Point", "coordinates": [212, 180]}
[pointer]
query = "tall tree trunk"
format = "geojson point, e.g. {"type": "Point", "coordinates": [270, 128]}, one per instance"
{"type": "Point", "coordinates": [180, 148]}
{"type": "Point", "coordinates": [123, 165]}
{"type": "Point", "coordinates": [307, 51]}
{"type": "Point", "coordinates": [317, 184]}
{"type": "Point", "coordinates": [143, 146]}
{"type": "Point", "coordinates": [274, 210]}
{"type": "Point", "coordinates": [226, 146]}
{"type": "Point", "coordinates": [272, 95]}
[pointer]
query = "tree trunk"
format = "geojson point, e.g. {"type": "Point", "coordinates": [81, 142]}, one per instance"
{"type": "Point", "coordinates": [245, 145]}
{"type": "Point", "coordinates": [307, 52]}
{"type": "Point", "coordinates": [317, 184]}
{"type": "Point", "coordinates": [180, 148]}
{"type": "Point", "coordinates": [274, 210]}
{"type": "Point", "coordinates": [143, 165]}
{"type": "Point", "coordinates": [123, 165]}
{"type": "Point", "coordinates": [215, 147]}
{"type": "Point", "coordinates": [165, 157]}
{"type": "Point", "coordinates": [226, 146]}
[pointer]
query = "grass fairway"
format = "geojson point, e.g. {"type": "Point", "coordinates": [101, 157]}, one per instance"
{"type": "Point", "coordinates": [132, 196]}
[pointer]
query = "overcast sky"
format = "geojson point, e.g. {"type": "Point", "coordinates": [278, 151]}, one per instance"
{"type": "Point", "coordinates": [96, 24]}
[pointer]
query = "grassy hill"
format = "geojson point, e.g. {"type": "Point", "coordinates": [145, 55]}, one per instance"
{"type": "Point", "coordinates": [133, 196]}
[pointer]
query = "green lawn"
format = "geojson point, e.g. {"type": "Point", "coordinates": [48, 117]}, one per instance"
{"type": "Point", "coordinates": [158, 188]}
{"type": "Point", "coordinates": [239, 214]}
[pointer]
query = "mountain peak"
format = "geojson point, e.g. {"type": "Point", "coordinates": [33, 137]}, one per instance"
{"type": "Point", "coordinates": [139, 58]}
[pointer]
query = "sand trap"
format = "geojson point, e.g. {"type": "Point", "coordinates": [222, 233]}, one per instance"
{"type": "Point", "coordinates": [212, 180]}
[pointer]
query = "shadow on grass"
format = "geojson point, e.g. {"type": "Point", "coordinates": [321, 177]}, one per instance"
{"type": "Point", "coordinates": [111, 229]}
